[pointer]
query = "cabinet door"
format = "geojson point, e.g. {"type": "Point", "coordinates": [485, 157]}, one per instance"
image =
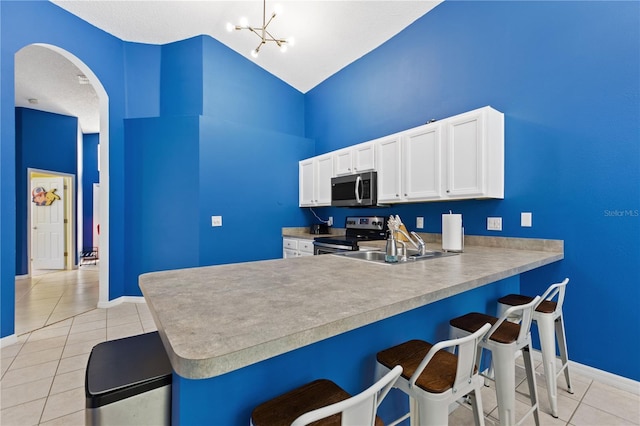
{"type": "Point", "coordinates": [389, 178]}
{"type": "Point", "coordinates": [324, 166]}
{"type": "Point", "coordinates": [465, 155]}
{"type": "Point", "coordinates": [363, 157]}
{"type": "Point", "coordinates": [421, 154]}
{"type": "Point", "coordinates": [343, 162]}
{"type": "Point", "coordinates": [307, 183]}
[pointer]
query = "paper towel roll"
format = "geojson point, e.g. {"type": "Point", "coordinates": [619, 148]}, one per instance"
{"type": "Point", "coordinates": [452, 232]}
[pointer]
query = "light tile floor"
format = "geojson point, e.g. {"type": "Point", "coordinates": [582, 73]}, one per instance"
{"type": "Point", "coordinates": [51, 296]}
{"type": "Point", "coordinates": [42, 375]}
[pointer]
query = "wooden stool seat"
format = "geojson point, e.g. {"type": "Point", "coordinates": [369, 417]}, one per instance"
{"type": "Point", "coordinates": [284, 409]}
{"type": "Point", "coordinates": [506, 333]}
{"type": "Point", "coordinates": [439, 375]}
{"type": "Point", "coordinates": [546, 306]}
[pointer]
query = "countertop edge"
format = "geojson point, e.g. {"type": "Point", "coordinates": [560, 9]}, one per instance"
{"type": "Point", "coordinates": [212, 367]}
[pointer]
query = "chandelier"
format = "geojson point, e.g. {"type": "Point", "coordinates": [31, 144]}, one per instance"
{"type": "Point", "coordinates": [262, 32]}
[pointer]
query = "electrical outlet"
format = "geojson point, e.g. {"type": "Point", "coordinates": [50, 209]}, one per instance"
{"type": "Point", "coordinates": [494, 224]}
{"type": "Point", "coordinates": [526, 219]}
{"type": "Point", "coordinates": [216, 220]}
{"type": "Point", "coordinates": [330, 221]}
{"type": "Point", "coordinates": [420, 222]}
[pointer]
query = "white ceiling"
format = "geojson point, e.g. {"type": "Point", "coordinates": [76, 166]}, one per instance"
{"type": "Point", "coordinates": [329, 35]}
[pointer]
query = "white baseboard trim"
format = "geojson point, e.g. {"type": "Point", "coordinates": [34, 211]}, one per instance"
{"type": "Point", "coordinates": [619, 382]}
{"type": "Point", "coordinates": [22, 277]}
{"type": "Point", "coordinates": [8, 340]}
{"type": "Point", "coordinates": [120, 300]}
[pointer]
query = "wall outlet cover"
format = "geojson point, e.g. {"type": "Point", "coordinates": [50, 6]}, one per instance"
{"type": "Point", "coordinates": [526, 219]}
{"type": "Point", "coordinates": [216, 220]}
{"type": "Point", "coordinates": [420, 222]}
{"type": "Point", "coordinates": [494, 224]}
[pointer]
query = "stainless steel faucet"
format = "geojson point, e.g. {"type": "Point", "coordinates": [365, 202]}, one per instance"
{"type": "Point", "coordinates": [419, 243]}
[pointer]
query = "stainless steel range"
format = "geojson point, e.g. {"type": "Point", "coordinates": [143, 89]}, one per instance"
{"type": "Point", "coordinates": [358, 229]}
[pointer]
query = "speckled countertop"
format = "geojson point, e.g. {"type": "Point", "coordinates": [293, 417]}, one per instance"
{"type": "Point", "coordinates": [221, 318]}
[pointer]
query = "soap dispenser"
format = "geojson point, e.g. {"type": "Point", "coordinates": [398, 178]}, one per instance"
{"type": "Point", "coordinates": [391, 255]}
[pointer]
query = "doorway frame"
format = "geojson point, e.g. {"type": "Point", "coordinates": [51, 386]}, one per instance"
{"type": "Point", "coordinates": [103, 140]}
{"type": "Point", "coordinates": [70, 229]}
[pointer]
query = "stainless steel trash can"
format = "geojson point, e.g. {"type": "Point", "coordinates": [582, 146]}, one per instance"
{"type": "Point", "coordinates": [128, 382]}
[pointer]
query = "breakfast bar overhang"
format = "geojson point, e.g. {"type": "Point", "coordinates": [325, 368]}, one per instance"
{"type": "Point", "coordinates": [240, 334]}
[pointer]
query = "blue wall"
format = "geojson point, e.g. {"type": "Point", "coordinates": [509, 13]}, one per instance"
{"type": "Point", "coordinates": [566, 75]}
{"type": "Point", "coordinates": [90, 176]}
{"type": "Point", "coordinates": [186, 166]}
{"type": "Point", "coordinates": [44, 141]}
{"type": "Point", "coordinates": [23, 23]}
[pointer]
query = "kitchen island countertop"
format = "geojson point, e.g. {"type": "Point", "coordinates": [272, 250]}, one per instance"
{"type": "Point", "coordinates": [218, 319]}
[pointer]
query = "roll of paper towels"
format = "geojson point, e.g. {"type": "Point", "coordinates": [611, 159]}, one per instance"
{"type": "Point", "coordinates": [452, 232]}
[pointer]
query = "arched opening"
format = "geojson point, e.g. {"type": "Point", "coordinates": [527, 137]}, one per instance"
{"type": "Point", "coordinates": [103, 138]}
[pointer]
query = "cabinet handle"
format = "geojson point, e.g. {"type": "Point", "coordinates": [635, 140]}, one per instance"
{"type": "Point", "coordinates": [397, 195]}
{"type": "Point", "coordinates": [405, 195]}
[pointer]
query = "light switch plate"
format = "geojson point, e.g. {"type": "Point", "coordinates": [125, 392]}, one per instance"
{"type": "Point", "coordinates": [420, 222]}
{"type": "Point", "coordinates": [494, 224]}
{"type": "Point", "coordinates": [526, 219]}
{"type": "Point", "coordinates": [216, 220]}
{"type": "Point", "coordinates": [330, 221]}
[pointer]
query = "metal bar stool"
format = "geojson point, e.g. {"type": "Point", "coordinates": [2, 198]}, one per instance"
{"type": "Point", "coordinates": [326, 403]}
{"type": "Point", "coordinates": [548, 316]}
{"type": "Point", "coordinates": [433, 378]}
{"type": "Point", "coordinates": [504, 339]}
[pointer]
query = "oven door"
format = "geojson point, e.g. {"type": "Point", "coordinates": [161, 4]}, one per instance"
{"type": "Point", "coordinates": [328, 248]}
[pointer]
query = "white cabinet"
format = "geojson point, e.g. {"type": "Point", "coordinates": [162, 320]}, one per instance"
{"type": "Point", "coordinates": [315, 181]}
{"type": "Point", "coordinates": [389, 169]}
{"type": "Point", "coordinates": [294, 247]}
{"type": "Point", "coordinates": [409, 165]}
{"type": "Point", "coordinates": [355, 159]}
{"type": "Point", "coordinates": [460, 157]}
{"type": "Point", "coordinates": [475, 155]}
{"type": "Point", "coordinates": [457, 158]}
{"type": "Point", "coordinates": [422, 163]}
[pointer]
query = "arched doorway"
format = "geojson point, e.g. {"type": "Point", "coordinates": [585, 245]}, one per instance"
{"type": "Point", "coordinates": [103, 101]}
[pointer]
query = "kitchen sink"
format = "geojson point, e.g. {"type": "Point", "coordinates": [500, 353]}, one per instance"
{"type": "Point", "coordinates": [379, 256]}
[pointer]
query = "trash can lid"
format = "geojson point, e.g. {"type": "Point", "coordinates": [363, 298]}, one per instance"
{"type": "Point", "coordinates": [119, 369]}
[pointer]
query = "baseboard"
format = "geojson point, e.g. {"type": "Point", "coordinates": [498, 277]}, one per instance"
{"type": "Point", "coordinates": [120, 300]}
{"type": "Point", "coordinates": [23, 277]}
{"type": "Point", "coordinates": [601, 376]}
{"type": "Point", "coordinates": [8, 340]}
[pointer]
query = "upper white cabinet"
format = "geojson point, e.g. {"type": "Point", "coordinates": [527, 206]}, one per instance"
{"type": "Point", "coordinates": [474, 155]}
{"type": "Point", "coordinates": [409, 165]}
{"type": "Point", "coordinates": [422, 161]}
{"type": "Point", "coordinates": [315, 181]}
{"type": "Point", "coordinates": [355, 159]}
{"type": "Point", "coordinates": [389, 169]}
{"type": "Point", "coordinates": [456, 158]}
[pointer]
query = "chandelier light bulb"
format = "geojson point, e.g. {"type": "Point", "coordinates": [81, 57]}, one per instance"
{"type": "Point", "coordinates": [254, 53]}
{"type": "Point", "coordinates": [230, 27]}
{"type": "Point", "coordinates": [283, 47]}
{"type": "Point", "coordinates": [278, 10]}
{"type": "Point", "coordinates": [244, 22]}
{"type": "Point", "coordinates": [291, 41]}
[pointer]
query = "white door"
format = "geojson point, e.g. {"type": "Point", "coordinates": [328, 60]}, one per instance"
{"type": "Point", "coordinates": [47, 223]}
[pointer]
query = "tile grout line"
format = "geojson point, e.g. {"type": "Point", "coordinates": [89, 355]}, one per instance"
{"type": "Point", "coordinates": [56, 372]}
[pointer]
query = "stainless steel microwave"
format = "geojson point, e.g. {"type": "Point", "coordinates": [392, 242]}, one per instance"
{"type": "Point", "coordinates": [360, 190]}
